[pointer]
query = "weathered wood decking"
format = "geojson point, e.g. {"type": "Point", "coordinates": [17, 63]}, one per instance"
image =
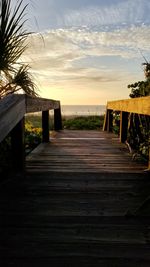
{"type": "Point", "coordinates": [83, 151]}
{"type": "Point", "coordinates": [79, 205]}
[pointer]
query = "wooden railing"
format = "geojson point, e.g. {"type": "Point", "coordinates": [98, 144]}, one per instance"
{"type": "Point", "coordinates": [139, 105]}
{"type": "Point", "coordinates": [12, 111]}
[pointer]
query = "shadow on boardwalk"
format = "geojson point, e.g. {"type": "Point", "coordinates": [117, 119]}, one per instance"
{"type": "Point", "coordinates": [78, 204]}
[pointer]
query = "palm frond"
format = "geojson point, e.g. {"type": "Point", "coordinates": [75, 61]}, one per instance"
{"type": "Point", "coordinates": [12, 34]}
{"type": "Point", "coordinates": [23, 80]}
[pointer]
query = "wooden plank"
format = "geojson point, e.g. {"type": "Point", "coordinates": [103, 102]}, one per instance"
{"type": "Point", "coordinates": [74, 260]}
{"type": "Point", "coordinates": [139, 105]}
{"type": "Point", "coordinates": [35, 104]}
{"type": "Point", "coordinates": [57, 217]}
{"type": "Point", "coordinates": [12, 110]}
{"type": "Point", "coordinates": [87, 170]}
{"type": "Point", "coordinates": [74, 232]}
{"type": "Point", "coordinates": [45, 249]}
{"type": "Point", "coordinates": [83, 155]}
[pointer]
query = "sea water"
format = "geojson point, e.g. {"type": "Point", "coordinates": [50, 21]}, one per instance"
{"type": "Point", "coordinates": [78, 110]}
{"type": "Point", "coordinates": [82, 110]}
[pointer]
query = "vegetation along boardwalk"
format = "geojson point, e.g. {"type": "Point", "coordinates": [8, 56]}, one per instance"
{"type": "Point", "coordinates": [82, 202]}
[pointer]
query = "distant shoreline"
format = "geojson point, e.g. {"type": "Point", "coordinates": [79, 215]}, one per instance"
{"type": "Point", "coordinates": [83, 110]}
{"type": "Point", "coordinates": [38, 114]}
{"type": "Point", "coordinates": [72, 111]}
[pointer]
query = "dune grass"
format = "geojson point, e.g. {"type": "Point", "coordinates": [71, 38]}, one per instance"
{"type": "Point", "coordinates": [83, 123]}
{"type": "Point", "coordinates": [91, 122]}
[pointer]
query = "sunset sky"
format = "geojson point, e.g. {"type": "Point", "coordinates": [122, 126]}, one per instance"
{"type": "Point", "coordinates": [87, 52]}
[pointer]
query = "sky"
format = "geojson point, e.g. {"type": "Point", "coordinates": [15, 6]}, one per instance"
{"type": "Point", "coordinates": [85, 52]}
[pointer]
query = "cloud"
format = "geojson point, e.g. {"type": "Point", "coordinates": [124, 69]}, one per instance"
{"type": "Point", "coordinates": [129, 12]}
{"type": "Point", "coordinates": [58, 48]}
{"type": "Point", "coordinates": [57, 56]}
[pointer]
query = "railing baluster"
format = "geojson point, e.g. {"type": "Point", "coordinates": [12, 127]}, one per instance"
{"type": "Point", "coordinates": [105, 120]}
{"type": "Point", "coordinates": [140, 105]}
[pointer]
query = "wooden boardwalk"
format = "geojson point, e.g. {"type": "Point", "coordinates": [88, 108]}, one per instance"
{"type": "Point", "coordinates": [83, 151]}
{"type": "Point", "coordinates": [80, 204]}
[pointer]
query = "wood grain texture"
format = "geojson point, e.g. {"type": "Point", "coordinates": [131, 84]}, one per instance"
{"type": "Point", "coordinates": [140, 105]}
{"type": "Point", "coordinates": [83, 151]}
{"type": "Point", "coordinates": [65, 214]}
{"type": "Point", "coordinates": [15, 106]}
{"type": "Point", "coordinates": [67, 219]}
{"type": "Point", "coordinates": [12, 110]}
{"type": "Point", "coordinates": [35, 104]}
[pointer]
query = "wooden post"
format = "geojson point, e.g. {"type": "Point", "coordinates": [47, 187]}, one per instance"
{"type": "Point", "coordinates": [123, 126]}
{"type": "Point", "coordinates": [57, 119]}
{"type": "Point", "coordinates": [18, 147]}
{"type": "Point", "coordinates": [105, 120]}
{"type": "Point", "coordinates": [108, 122]}
{"type": "Point", "coordinates": [45, 126]}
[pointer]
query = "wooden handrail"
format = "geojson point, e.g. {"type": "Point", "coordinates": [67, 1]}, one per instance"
{"type": "Point", "coordinates": [140, 105]}
{"type": "Point", "coordinates": [14, 107]}
{"type": "Point", "coordinates": [36, 104]}
{"type": "Point", "coordinates": [12, 111]}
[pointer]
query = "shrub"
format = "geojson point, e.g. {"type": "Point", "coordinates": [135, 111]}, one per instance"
{"type": "Point", "coordinates": [33, 136]}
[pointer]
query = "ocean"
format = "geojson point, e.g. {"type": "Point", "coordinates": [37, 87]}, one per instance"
{"type": "Point", "coordinates": [82, 110]}
{"type": "Point", "coordinates": [79, 110]}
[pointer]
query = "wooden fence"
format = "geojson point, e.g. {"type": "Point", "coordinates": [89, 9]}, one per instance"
{"type": "Point", "coordinates": [12, 111]}
{"type": "Point", "coordinates": [139, 105]}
